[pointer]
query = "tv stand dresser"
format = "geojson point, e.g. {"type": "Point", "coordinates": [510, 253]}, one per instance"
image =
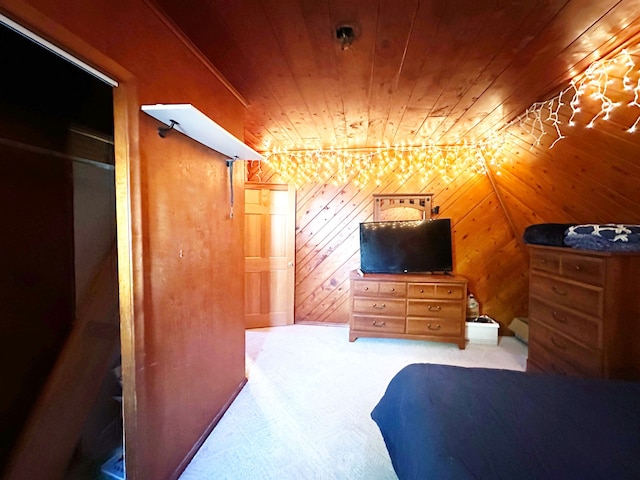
{"type": "Point", "coordinates": [412, 306]}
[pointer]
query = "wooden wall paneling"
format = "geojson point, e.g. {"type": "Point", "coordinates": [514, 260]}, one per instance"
{"type": "Point", "coordinates": [353, 205]}
{"type": "Point", "coordinates": [337, 314]}
{"type": "Point", "coordinates": [586, 182]}
{"type": "Point", "coordinates": [314, 245]}
{"type": "Point", "coordinates": [319, 28]}
{"type": "Point", "coordinates": [325, 227]}
{"type": "Point", "coordinates": [595, 170]}
{"type": "Point", "coordinates": [480, 240]}
{"type": "Point", "coordinates": [180, 323]}
{"type": "Point", "coordinates": [355, 70]}
{"type": "Point", "coordinates": [502, 286]}
{"type": "Point", "coordinates": [417, 59]}
{"type": "Point", "coordinates": [441, 54]}
{"type": "Point", "coordinates": [456, 52]}
{"type": "Point", "coordinates": [327, 244]}
{"type": "Point", "coordinates": [607, 33]}
{"type": "Point", "coordinates": [513, 53]}
{"type": "Point", "coordinates": [527, 197]}
{"type": "Point", "coordinates": [261, 39]}
{"type": "Point", "coordinates": [394, 29]}
{"type": "Point", "coordinates": [524, 215]}
{"type": "Point", "coordinates": [561, 189]}
{"type": "Point", "coordinates": [555, 37]}
{"type": "Point", "coordinates": [316, 249]}
{"type": "Point", "coordinates": [290, 29]}
{"type": "Point", "coordinates": [315, 219]}
{"type": "Point", "coordinates": [472, 64]}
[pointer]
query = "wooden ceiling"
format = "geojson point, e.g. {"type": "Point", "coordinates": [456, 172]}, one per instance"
{"type": "Point", "coordinates": [417, 71]}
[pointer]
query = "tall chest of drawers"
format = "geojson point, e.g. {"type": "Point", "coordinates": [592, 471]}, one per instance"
{"type": "Point", "coordinates": [422, 307]}
{"type": "Point", "coordinates": [584, 312]}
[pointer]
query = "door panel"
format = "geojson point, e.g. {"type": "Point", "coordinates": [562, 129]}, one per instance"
{"type": "Point", "coordinates": [269, 254]}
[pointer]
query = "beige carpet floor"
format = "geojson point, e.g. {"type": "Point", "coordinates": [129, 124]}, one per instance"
{"type": "Point", "coordinates": [305, 411]}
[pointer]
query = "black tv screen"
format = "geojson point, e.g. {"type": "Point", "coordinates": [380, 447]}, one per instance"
{"type": "Point", "coordinates": [422, 246]}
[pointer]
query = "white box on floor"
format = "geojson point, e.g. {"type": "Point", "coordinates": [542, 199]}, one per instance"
{"type": "Point", "coordinates": [482, 333]}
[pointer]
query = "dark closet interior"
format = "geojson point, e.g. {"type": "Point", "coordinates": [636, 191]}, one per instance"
{"type": "Point", "coordinates": [57, 198]}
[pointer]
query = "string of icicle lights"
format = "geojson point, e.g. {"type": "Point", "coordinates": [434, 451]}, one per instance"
{"type": "Point", "coordinates": [366, 166]}
{"type": "Point", "coordinates": [602, 81]}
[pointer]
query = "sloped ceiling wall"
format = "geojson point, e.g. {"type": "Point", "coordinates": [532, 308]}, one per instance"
{"type": "Point", "coordinates": [592, 175]}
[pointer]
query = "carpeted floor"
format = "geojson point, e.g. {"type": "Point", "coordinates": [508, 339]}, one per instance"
{"type": "Point", "coordinates": [305, 411]}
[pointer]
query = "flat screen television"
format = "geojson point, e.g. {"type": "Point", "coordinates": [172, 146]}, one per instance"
{"type": "Point", "coordinates": [422, 246]}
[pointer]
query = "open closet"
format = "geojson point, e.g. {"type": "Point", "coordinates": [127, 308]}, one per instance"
{"type": "Point", "coordinates": [58, 287]}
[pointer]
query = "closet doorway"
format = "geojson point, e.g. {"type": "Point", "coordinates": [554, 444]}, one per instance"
{"type": "Point", "coordinates": [59, 258]}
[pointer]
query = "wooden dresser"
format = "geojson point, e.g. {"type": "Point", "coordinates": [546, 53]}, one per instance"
{"type": "Point", "coordinates": [420, 307]}
{"type": "Point", "coordinates": [584, 312]}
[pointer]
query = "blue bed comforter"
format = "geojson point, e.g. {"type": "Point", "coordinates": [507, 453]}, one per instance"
{"type": "Point", "coordinates": [444, 422]}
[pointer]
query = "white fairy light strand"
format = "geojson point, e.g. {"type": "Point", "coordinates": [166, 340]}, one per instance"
{"type": "Point", "coordinates": [595, 83]}
{"type": "Point", "coordinates": [364, 166]}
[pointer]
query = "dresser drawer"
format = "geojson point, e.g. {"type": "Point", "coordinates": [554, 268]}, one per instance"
{"type": "Point", "coordinates": [364, 287]}
{"type": "Point", "coordinates": [421, 290]}
{"type": "Point", "coordinates": [444, 291]}
{"type": "Point", "coordinates": [379, 306]}
{"type": "Point", "coordinates": [392, 289]}
{"type": "Point", "coordinates": [378, 324]}
{"type": "Point", "coordinates": [433, 326]}
{"type": "Point", "coordinates": [541, 360]}
{"type": "Point", "coordinates": [584, 298]}
{"type": "Point", "coordinates": [545, 261]}
{"type": "Point", "coordinates": [564, 350]}
{"type": "Point", "coordinates": [583, 329]}
{"type": "Point", "coordinates": [583, 268]}
{"type": "Point", "coordinates": [434, 309]}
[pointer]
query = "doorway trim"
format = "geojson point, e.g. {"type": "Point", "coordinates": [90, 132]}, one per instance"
{"type": "Point", "coordinates": [57, 50]}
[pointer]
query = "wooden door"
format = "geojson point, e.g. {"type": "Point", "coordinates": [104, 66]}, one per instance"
{"type": "Point", "coordinates": [269, 254]}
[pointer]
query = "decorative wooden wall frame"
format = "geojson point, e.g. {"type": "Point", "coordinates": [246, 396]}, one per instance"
{"type": "Point", "coordinates": [421, 202]}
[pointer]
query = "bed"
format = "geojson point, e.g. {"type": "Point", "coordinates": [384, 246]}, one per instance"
{"type": "Point", "coordinates": [447, 422]}
{"type": "Point", "coordinates": [605, 237]}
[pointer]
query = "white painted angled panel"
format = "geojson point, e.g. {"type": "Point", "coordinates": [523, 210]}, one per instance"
{"type": "Point", "coordinates": [193, 123]}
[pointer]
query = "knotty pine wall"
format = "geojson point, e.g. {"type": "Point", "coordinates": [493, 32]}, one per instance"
{"type": "Point", "coordinates": [485, 250]}
{"type": "Point", "coordinates": [590, 176]}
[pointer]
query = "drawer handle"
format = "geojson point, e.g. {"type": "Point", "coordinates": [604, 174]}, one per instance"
{"type": "Point", "coordinates": [393, 289]}
{"type": "Point", "coordinates": [558, 290]}
{"type": "Point", "coordinates": [433, 327]}
{"type": "Point", "coordinates": [434, 309]}
{"type": "Point", "coordinates": [380, 307]}
{"type": "Point", "coordinates": [366, 288]}
{"type": "Point", "coordinates": [578, 267]}
{"type": "Point", "coordinates": [560, 345]}
{"type": "Point", "coordinates": [449, 292]}
{"type": "Point", "coordinates": [543, 262]}
{"type": "Point", "coordinates": [421, 290]}
{"type": "Point", "coordinates": [376, 324]}
{"type": "Point", "coordinates": [560, 319]}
